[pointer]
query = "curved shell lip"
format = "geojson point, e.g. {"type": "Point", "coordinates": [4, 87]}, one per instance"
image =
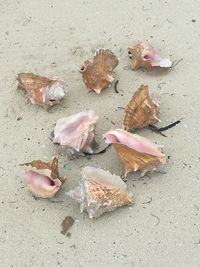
{"type": "Point", "coordinates": [163, 63]}
{"type": "Point", "coordinates": [115, 136]}
{"type": "Point", "coordinates": [103, 177]}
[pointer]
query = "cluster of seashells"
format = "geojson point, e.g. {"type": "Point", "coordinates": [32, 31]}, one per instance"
{"type": "Point", "coordinates": [99, 191]}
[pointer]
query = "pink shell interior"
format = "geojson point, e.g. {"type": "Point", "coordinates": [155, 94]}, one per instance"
{"type": "Point", "coordinates": [133, 141]}
{"type": "Point", "coordinates": [37, 180]}
{"type": "Point", "coordinates": [68, 128]}
{"type": "Point", "coordinates": [156, 59]}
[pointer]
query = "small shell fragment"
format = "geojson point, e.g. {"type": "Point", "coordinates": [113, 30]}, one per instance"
{"type": "Point", "coordinates": [98, 72]}
{"type": "Point", "coordinates": [76, 131]}
{"type": "Point", "coordinates": [143, 55]}
{"type": "Point", "coordinates": [42, 178]}
{"type": "Point", "coordinates": [42, 91]}
{"type": "Point", "coordinates": [141, 111]}
{"type": "Point", "coordinates": [136, 152]}
{"type": "Point", "coordinates": [100, 191]}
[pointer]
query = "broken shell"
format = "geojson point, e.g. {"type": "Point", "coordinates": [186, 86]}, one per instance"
{"type": "Point", "coordinates": [42, 178]}
{"type": "Point", "coordinates": [100, 191]}
{"type": "Point", "coordinates": [76, 131]}
{"type": "Point", "coordinates": [136, 152]}
{"type": "Point", "coordinates": [144, 55]}
{"type": "Point", "coordinates": [42, 91]}
{"type": "Point", "coordinates": [98, 72]}
{"type": "Point", "coordinates": [141, 111]}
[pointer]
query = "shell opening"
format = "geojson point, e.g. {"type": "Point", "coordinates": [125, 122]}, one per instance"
{"type": "Point", "coordinates": [146, 57]}
{"type": "Point", "coordinates": [38, 180]}
{"type": "Point", "coordinates": [82, 68]}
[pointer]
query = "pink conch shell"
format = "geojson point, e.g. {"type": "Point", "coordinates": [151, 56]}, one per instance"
{"type": "Point", "coordinates": [141, 110]}
{"type": "Point", "coordinates": [76, 131]}
{"type": "Point", "coordinates": [98, 72]}
{"type": "Point", "coordinates": [100, 191]}
{"type": "Point", "coordinates": [145, 56]}
{"type": "Point", "coordinates": [42, 178]}
{"type": "Point", "coordinates": [42, 91]}
{"type": "Point", "coordinates": [136, 152]}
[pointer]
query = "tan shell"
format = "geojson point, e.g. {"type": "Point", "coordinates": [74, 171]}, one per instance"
{"type": "Point", "coordinates": [100, 191]}
{"type": "Point", "coordinates": [143, 55]}
{"type": "Point", "coordinates": [141, 111]}
{"type": "Point", "coordinates": [135, 161]}
{"type": "Point", "coordinates": [137, 62]}
{"type": "Point", "coordinates": [98, 72]}
{"type": "Point", "coordinates": [49, 170]}
{"type": "Point", "coordinates": [42, 91]}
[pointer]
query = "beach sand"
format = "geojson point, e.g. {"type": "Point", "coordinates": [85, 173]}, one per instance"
{"type": "Point", "coordinates": [53, 38]}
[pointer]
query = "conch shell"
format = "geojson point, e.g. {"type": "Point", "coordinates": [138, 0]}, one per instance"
{"type": "Point", "coordinates": [100, 191]}
{"type": "Point", "coordinates": [42, 91]}
{"type": "Point", "coordinates": [144, 55]}
{"type": "Point", "coordinates": [42, 178]}
{"type": "Point", "coordinates": [136, 152]}
{"type": "Point", "coordinates": [76, 131]}
{"type": "Point", "coordinates": [98, 72]}
{"type": "Point", "coordinates": [141, 111]}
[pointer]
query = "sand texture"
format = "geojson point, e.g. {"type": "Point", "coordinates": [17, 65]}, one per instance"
{"type": "Point", "coordinates": [53, 38]}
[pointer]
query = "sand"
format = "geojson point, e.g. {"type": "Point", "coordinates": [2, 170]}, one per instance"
{"type": "Point", "coordinates": [53, 38]}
